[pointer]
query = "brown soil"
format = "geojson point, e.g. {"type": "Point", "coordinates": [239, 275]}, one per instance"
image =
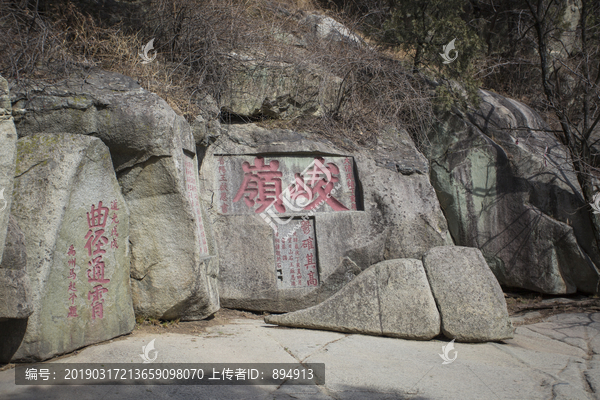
{"type": "Point", "coordinates": [221, 317]}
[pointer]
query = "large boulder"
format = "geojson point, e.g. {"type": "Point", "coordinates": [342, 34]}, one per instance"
{"type": "Point", "coordinates": [391, 298]}
{"type": "Point", "coordinates": [69, 206]}
{"type": "Point", "coordinates": [8, 154]}
{"type": "Point", "coordinates": [257, 88]}
{"type": "Point", "coordinates": [366, 205]}
{"type": "Point", "coordinates": [15, 293]}
{"type": "Point", "coordinates": [507, 186]}
{"type": "Point", "coordinates": [469, 298]}
{"type": "Point", "coordinates": [174, 265]}
{"type": "Point", "coordinates": [15, 300]}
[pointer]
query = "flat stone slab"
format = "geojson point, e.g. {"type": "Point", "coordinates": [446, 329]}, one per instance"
{"type": "Point", "coordinates": [538, 363]}
{"type": "Point", "coordinates": [468, 295]}
{"type": "Point", "coordinates": [390, 298]}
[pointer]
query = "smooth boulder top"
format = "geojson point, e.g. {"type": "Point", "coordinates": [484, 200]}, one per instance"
{"type": "Point", "coordinates": [468, 295]}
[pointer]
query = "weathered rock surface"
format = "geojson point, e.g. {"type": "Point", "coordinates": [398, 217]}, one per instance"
{"type": "Point", "coordinates": [14, 295]}
{"type": "Point", "coordinates": [69, 206]}
{"type": "Point", "coordinates": [388, 210]}
{"type": "Point", "coordinates": [15, 252]}
{"type": "Point", "coordinates": [206, 127]}
{"type": "Point", "coordinates": [173, 264]}
{"type": "Point", "coordinates": [390, 298]}
{"type": "Point", "coordinates": [15, 290]}
{"type": "Point", "coordinates": [8, 153]}
{"type": "Point", "coordinates": [469, 298]}
{"type": "Point", "coordinates": [280, 90]}
{"type": "Point", "coordinates": [507, 187]}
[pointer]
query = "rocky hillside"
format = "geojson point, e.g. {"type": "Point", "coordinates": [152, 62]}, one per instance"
{"type": "Point", "coordinates": [296, 169]}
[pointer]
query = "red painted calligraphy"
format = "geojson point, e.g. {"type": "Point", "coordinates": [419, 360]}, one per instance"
{"type": "Point", "coordinates": [97, 218]}
{"type": "Point", "coordinates": [97, 301]}
{"type": "Point", "coordinates": [72, 283]}
{"type": "Point", "coordinates": [96, 271]}
{"type": "Point", "coordinates": [262, 185]}
{"type": "Point", "coordinates": [350, 182]}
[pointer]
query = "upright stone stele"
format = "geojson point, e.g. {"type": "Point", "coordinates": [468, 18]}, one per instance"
{"type": "Point", "coordinates": [69, 206]}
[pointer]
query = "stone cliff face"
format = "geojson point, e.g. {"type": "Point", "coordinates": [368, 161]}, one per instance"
{"type": "Point", "coordinates": [173, 263]}
{"type": "Point", "coordinates": [507, 187]}
{"type": "Point", "coordinates": [368, 212]}
{"type": "Point", "coordinates": [112, 205]}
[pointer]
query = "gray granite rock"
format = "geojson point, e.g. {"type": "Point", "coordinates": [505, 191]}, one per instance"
{"type": "Point", "coordinates": [280, 90]}
{"type": "Point", "coordinates": [173, 265]}
{"type": "Point", "coordinates": [68, 204]}
{"type": "Point", "coordinates": [508, 187]}
{"type": "Point", "coordinates": [15, 252]}
{"type": "Point", "coordinates": [385, 208]}
{"type": "Point", "coordinates": [469, 298]}
{"type": "Point", "coordinates": [15, 291]}
{"type": "Point", "coordinates": [391, 298]}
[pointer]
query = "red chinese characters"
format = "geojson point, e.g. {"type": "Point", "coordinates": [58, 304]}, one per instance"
{"type": "Point", "coordinates": [295, 256]}
{"type": "Point", "coordinates": [96, 297]}
{"type": "Point", "coordinates": [72, 282]}
{"type": "Point", "coordinates": [316, 186]}
{"type": "Point", "coordinates": [95, 245]}
{"type": "Point", "coordinates": [262, 190]}
{"type": "Point", "coordinates": [350, 182]}
{"type": "Point", "coordinates": [261, 185]}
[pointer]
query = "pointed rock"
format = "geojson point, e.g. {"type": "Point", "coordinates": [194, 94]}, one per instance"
{"type": "Point", "coordinates": [390, 298]}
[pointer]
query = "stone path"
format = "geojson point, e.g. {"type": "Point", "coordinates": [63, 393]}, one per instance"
{"type": "Point", "coordinates": [558, 358]}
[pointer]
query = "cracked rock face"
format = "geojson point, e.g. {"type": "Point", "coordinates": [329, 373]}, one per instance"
{"type": "Point", "coordinates": [75, 221]}
{"type": "Point", "coordinates": [469, 298]}
{"type": "Point", "coordinates": [573, 371]}
{"type": "Point", "coordinates": [391, 298]}
{"type": "Point", "coordinates": [278, 90]}
{"type": "Point", "coordinates": [507, 187]}
{"type": "Point", "coordinates": [173, 260]}
{"type": "Point", "coordinates": [396, 216]}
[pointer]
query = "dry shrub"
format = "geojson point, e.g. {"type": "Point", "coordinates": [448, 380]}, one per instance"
{"type": "Point", "coordinates": [195, 41]}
